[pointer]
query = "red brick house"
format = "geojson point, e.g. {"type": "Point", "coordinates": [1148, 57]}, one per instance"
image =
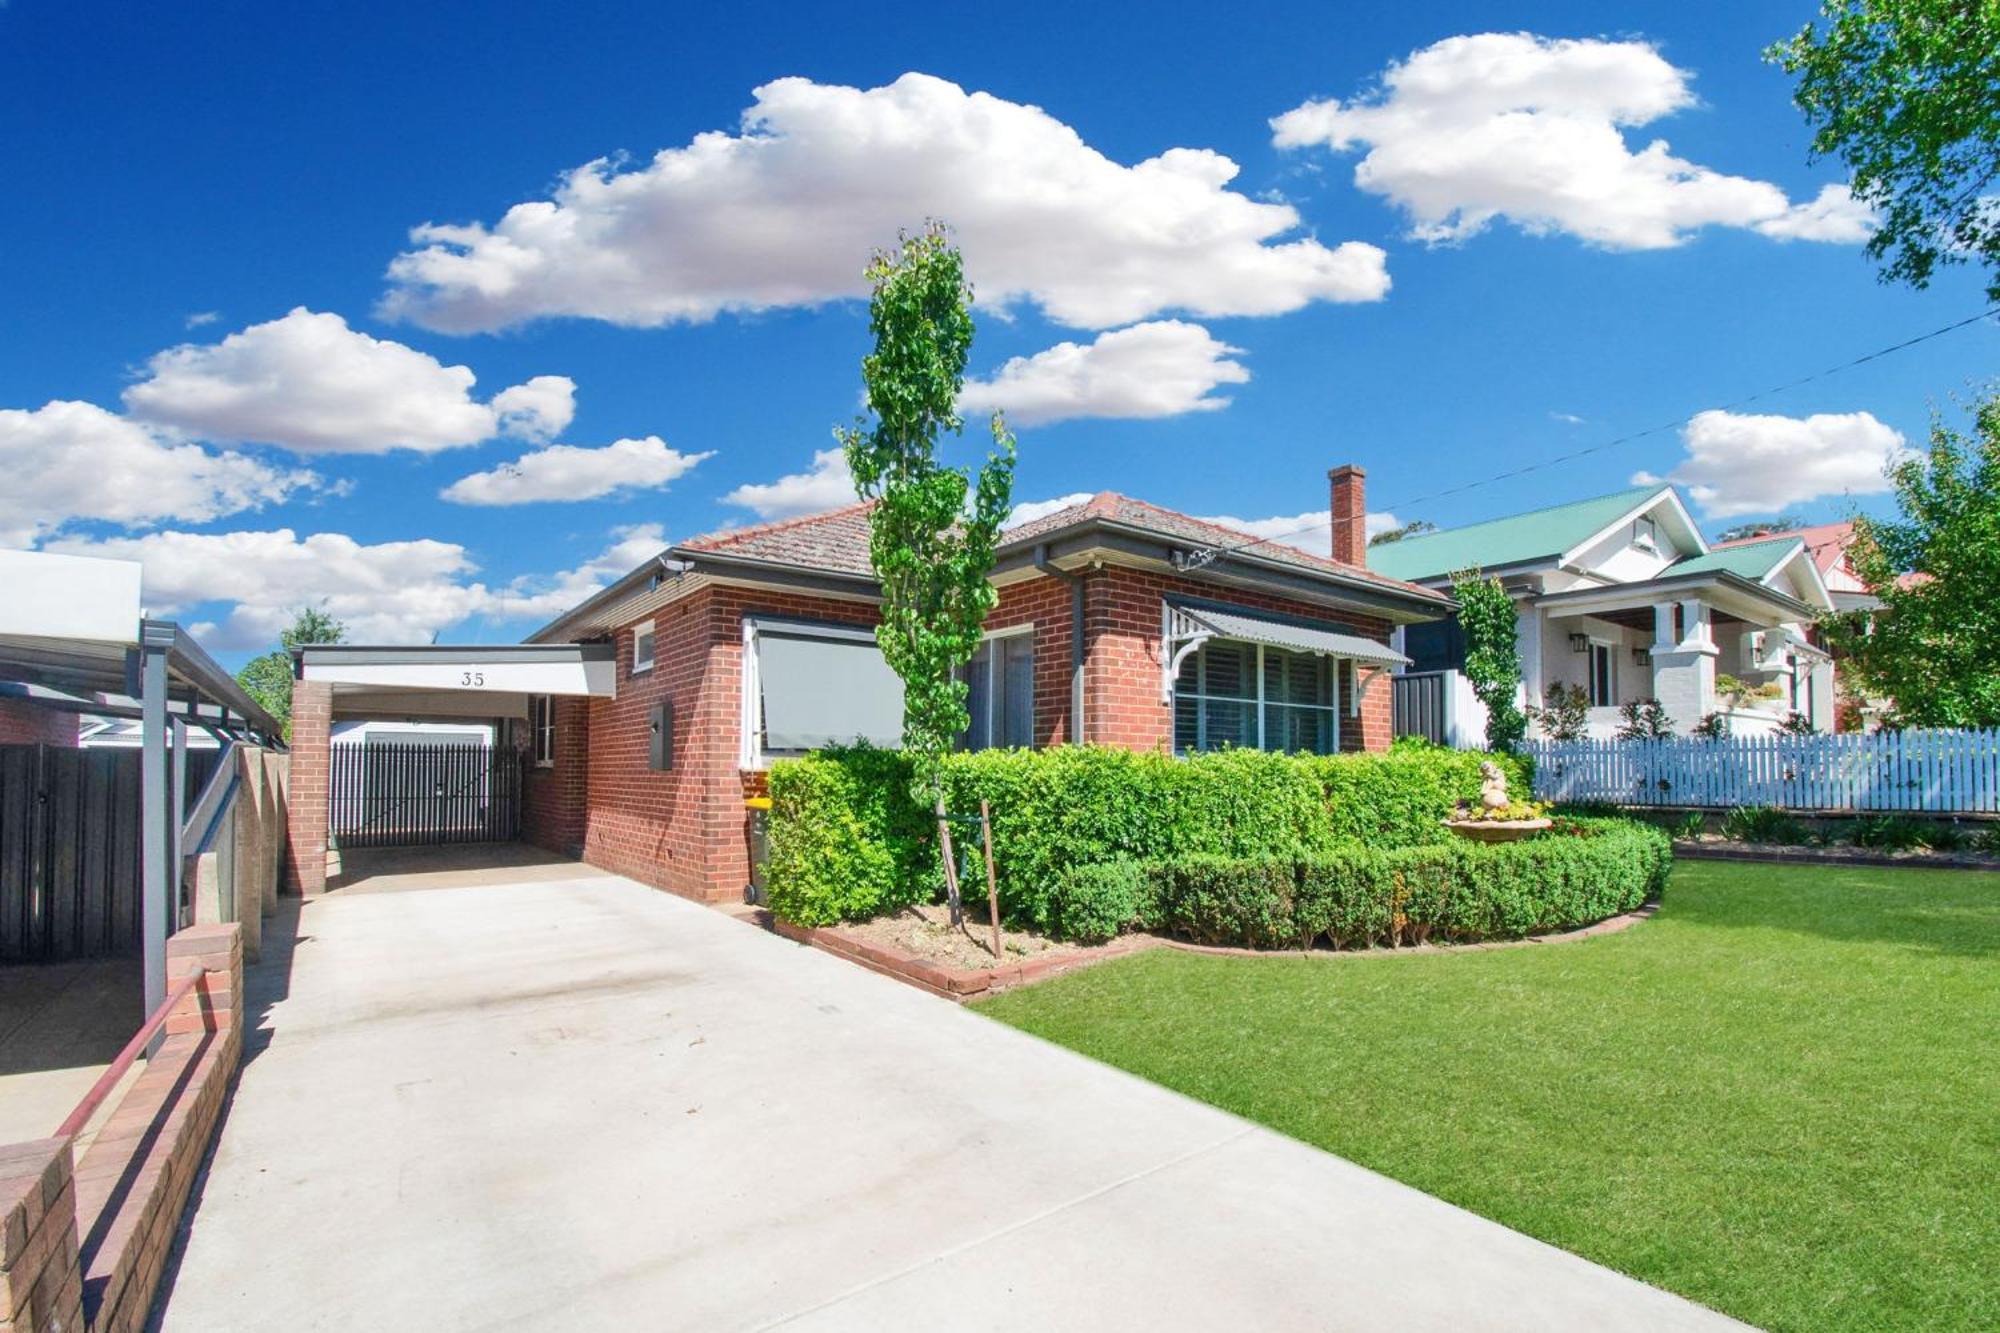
{"type": "Point", "coordinates": [1118, 623]}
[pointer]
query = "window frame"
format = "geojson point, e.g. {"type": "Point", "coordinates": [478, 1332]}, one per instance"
{"type": "Point", "coordinates": [542, 730]}
{"type": "Point", "coordinates": [751, 756]}
{"type": "Point", "coordinates": [996, 684]}
{"type": "Point", "coordinates": [1646, 533]}
{"type": "Point", "coordinates": [1610, 651]}
{"type": "Point", "coordinates": [1336, 683]}
{"type": "Point", "coordinates": [647, 630]}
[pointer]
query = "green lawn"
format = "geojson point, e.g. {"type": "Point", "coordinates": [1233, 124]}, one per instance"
{"type": "Point", "coordinates": [1780, 1097]}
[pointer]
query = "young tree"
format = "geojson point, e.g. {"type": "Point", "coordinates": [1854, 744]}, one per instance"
{"type": "Point", "coordinates": [1907, 94]}
{"type": "Point", "coordinates": [1933, 647]}
{"type": "Point", "coordinates": [931, 553]}
{"type": "Point", "coordinates": [1414, 528]}
{"type": "Point", "coordinates": [268, 679]}
{"type": "Point", "coordinates": [1492, 655]}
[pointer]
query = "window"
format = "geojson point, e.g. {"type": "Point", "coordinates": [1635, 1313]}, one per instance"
{"type": "Point", "coordinates": [1603, 684]}
{"type": "Point", "coordinates": [542, 729]}
{"type": "Point", "coordinates": [643, 640]}
{"type": "Point", "coordinates": [809, 685]}
{"type": "Point", "coordinates": [1646, 534]}
{"type": "Point", "coordinates": [1256, 697]}
{"type": "Point", "coordinates": [1000, 693]}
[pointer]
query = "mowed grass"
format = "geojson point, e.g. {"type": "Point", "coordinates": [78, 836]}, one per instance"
{"type": "Point", "coordinates": [1780, 1097]}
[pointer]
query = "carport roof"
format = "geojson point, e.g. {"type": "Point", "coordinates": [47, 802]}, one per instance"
{"type": "Point", "coordinates": [101, 676]}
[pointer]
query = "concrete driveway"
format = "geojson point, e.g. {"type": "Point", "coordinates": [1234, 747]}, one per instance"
{"type": "Point", "coordinates": [550, 1098]}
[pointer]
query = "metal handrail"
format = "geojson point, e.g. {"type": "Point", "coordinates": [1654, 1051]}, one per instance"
{"type": "Point", "coordinates": [108, 1080]}
{"type": "Point", "coordinates": [212, 804]}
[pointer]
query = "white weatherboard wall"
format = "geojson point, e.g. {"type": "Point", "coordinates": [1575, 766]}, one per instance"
{"type": "Point", "coordinates": [69, 597]}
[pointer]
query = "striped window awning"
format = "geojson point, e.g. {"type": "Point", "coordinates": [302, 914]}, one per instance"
{"type": "Point", "coordinates": [1190, 626]}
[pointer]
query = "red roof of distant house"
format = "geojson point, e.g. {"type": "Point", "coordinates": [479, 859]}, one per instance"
{"type": "Point", "coordinates": [1826, 543]}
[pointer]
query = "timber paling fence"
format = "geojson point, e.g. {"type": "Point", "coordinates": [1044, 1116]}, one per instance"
{"type": "Point", "coordinates": [1921, 772]}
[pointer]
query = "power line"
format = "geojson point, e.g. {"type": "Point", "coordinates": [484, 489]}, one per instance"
{"type": "Point", "coordinates": [1212, 553]}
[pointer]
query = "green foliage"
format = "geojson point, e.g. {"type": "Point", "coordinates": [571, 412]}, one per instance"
{"type": "Point", "coordinates": [1763, 823]}
{"type": "Point", "coordinates": [1740, 692]}
{"type": "Point", "coordinates": [1644, 720]}
{"type": "Point", "coordinates": [930, 554]}
{"type": "Point", "coordinates": [1067, 807]}
{"type": "Point", "coordinates": [1690, 825]}
{"type": "Point", "coordinates": [1933, 647]}
{"type": "Point", "coordinates": [1091, 904]}
{"type": "Point", "coordinates": [1797, 724]}
{"type": "Point", "coordinates": [1414, 528]}
{"type": "Point", "coordinates": [1453, 891]}
{"type": "Point", "coordinates": [1889, 833]}
{"type": "Point", "coordinates": [1907, 94]}
{"type": "Point", "coordinates": [1492, 655]}
{"type": "Point", "coordinates": [1566, 715]}
{"type": "Point", "coordinates": [1712, 727]}
{"type": "Point", "coordinates": [268, 678]}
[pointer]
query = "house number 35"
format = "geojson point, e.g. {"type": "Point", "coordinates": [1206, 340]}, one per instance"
{"type": "Point", "coordinates": [472, 678]}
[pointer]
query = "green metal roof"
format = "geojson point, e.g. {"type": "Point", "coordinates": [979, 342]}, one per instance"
{"type": "Point", "coordinates": [1753, 560]}
{"type": "Point", "coordinates": [1540, 534]}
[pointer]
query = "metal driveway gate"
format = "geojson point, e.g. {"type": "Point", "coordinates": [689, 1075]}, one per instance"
{"type": "Point", "coordinates": [386, 794]}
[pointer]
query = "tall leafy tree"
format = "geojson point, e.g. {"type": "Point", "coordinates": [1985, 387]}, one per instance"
{"type": "Point", "coordinates": [1933, 647]}
{"type": "Point", "coordinates": [1492, 655]}
{"type": "Point", "coordinates": [1907, 94]}
{"type": "Point", "coordinates": [933, 527]}
{"type": "Point", "coordinates": [268, 679]}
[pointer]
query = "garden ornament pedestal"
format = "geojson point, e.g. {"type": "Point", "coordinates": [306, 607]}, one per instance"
{"type": "Point", "coordinates": [1490, 823]}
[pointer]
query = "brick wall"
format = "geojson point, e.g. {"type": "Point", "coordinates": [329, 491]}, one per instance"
{"type": "Point", "coordinates": [685, 829]}
{"type": "Point", "coordinates": [25, 724]}
{"type": "Point", "coordinates": [555, 800]}
{"type": "Point", "coordinates": [84, 1244]}
{"type": "Point", "coordinates": [306, 820]}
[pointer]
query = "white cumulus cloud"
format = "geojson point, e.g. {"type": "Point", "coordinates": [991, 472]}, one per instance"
{"type": "Point", "coordinates": [1834, 214]}
{"type": "Point", "coordinates": [1532, 129]}
{"type": "Point", "coordinates": [1027, 511]}
{"type": "Point", "coordinates": [1740, 464]}
{"type": "Point", "coordinates": [784, 212]}
{"type": "Point", "coordinates": [569, 472]}
{"type": "Point", "coordinates": [69, 460]}
{"type": "Point", "coordinates": [309, 383]}
{"type": "Point", "coordinates": [384, 592]}
{"type": "Point", "coordinates": [1311, 531]}
{"type": "Point", "coordinates": [826, 485]}
{"type": "Point", "coordinates": [1158, 369]}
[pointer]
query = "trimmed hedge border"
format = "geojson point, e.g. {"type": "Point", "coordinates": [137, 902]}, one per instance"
{"type": "Point", "coordinates": [847, 842]}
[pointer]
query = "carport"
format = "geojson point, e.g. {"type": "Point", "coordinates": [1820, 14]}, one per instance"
{"type": "Point", "coordinates": [417, 790]}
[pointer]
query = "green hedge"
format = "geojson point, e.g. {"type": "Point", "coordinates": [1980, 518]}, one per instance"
{"type": "Point", "coordinates": [847, 842]}
{"type": "Point", "coordinates": [1454, 891]}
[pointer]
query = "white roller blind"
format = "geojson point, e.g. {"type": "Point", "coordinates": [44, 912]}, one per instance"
{"type": "Point", "coordinates": [826, 691]}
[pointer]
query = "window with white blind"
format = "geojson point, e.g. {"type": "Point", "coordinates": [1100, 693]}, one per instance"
{"type": "Point", "coordinates": [1000, 693]}
{"type": "Point", "coordinates": [1256, 697]}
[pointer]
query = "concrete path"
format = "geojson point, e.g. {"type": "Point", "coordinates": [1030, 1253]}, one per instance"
{"type": "Point", "coordinates": [576, 1103]}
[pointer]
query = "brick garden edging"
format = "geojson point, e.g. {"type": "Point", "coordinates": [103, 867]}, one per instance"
{"type": "Point", "coordinates": [952, 983]}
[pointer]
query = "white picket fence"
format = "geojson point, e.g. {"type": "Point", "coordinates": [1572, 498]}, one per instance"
{"type": "Point", "coordinates": [1935, 772]}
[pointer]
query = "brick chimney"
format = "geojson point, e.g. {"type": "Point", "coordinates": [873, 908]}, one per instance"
{"type": "Point", "coordinates": [1349, 503]}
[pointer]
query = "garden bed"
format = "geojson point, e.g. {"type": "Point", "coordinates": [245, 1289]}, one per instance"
{"type": "Point", "coordinates": [918, 945]}
{"type": "Point", "coordinates": [1714, 847]}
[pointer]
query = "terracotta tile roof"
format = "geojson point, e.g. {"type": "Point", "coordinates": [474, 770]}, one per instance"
{"type": "Point", "coordinates": [1113, 507]}
{"type": "Point", "coordinates": [1825, 542]}
{"type": "Point", "coordinates": [837, 540]}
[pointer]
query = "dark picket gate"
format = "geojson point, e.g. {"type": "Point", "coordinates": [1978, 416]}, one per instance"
{"type": "Point", "coordinates": [392, 795]}
{"type": "Point", "coordinates": [70, 850]}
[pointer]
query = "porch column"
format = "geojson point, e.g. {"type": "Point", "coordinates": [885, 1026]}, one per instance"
{"type": "Point", "coordinates": [1528, 632]}
{"type": "Point", "coordinates": [1684, 671]}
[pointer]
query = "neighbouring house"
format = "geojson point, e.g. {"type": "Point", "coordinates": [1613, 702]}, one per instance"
{"type": "Point", "coordinates": [1826, 545]}
{"type": "Point", "coordinates": [1118, 623]}
{"type": "Point", "coordinates": [1620, 595]}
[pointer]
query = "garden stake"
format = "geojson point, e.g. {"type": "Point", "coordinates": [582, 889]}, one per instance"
{"type": "Point", "coordinates": [950, 870]}
{"type": "Point", "coordinates": [992, 885]}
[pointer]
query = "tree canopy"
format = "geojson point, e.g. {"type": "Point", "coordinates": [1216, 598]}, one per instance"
{"type": "Point", "coordinates": [268, 679]}
{"type": "Point", "coordinates": [1933, 647]}
{"type": "Point", "coordinates": [1906, 93]}
{"type": "Point", "coordinates": [930, 550]}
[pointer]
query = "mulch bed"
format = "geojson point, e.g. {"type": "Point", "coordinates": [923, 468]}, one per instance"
{"type": "Point", "coordinates": [1725, 849]}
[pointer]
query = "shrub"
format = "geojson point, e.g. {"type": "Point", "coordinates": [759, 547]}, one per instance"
{"type": "Point", "coordinates": [1457, 891]}
{"type": "Point", "coordinates": [1644, 720]}
{"type": "Point", "coordinates": [1566, 715]}
{"type": "Point", "coordinates": [1066, 807]}
{"type": "Point", "coordinates": [1091, 904]}
{"type": "Point", "coordinates": [1690, 825]}
{"type": "Point", "coordinates": [1951, 837]}
{"type": "Point", "coordinates": [1889, 833]}
{"type": "Point", "coordinates": [1762, 823]}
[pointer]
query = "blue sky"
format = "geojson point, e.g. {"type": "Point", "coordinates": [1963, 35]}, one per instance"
{"type": "Point", "coordinates": [183, 175]}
